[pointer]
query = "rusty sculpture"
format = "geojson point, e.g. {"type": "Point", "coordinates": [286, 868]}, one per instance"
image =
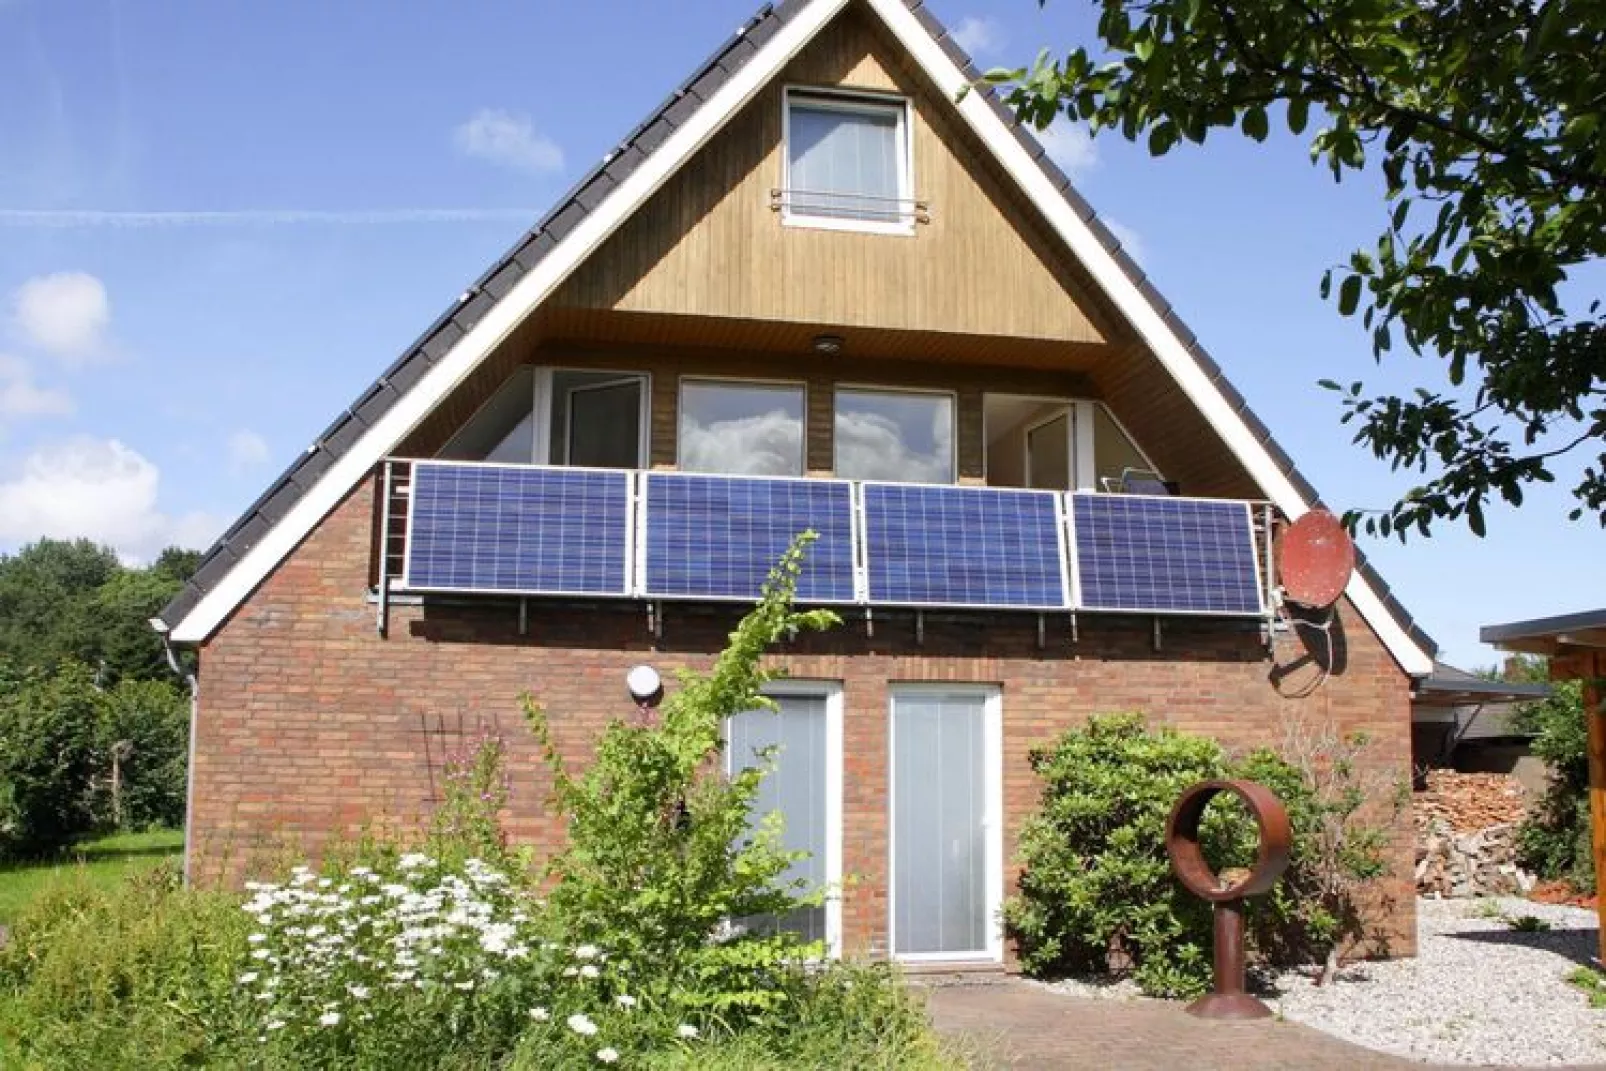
{"type": "Point", "coordinates": [1228, 999]}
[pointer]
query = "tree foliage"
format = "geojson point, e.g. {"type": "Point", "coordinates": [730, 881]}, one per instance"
{"type": "Point", "coordinates": [73, 601]}
{"type": "Point", "coordinates": [1484, 120]}
{"type": "Point", "coordinates": [1554, 839]}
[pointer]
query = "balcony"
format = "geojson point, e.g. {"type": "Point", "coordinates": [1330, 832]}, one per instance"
{"type": "Point", "coordinates": [470, 529]}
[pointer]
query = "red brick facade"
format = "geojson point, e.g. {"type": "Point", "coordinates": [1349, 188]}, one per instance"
{"type": "Point", "coordinates": [311, 723]}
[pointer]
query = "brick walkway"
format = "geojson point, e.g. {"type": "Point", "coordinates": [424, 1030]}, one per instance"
{"type": "Point", "coordinates": [1016, 1024]}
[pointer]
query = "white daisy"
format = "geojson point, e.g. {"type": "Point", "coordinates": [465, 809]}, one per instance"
{"type": "Point", "coordinates": [582, 1024]}
{"type": "Point", "coordinates": [608, 1056]}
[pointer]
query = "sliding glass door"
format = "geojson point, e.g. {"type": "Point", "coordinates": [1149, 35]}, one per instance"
{"type": "Point", "coordinates": [946, 830]}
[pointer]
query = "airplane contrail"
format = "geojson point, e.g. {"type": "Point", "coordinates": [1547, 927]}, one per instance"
{"type": "Point", "coordinates": [84, 219]}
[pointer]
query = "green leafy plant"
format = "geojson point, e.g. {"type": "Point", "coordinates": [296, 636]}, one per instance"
{"type": "Point", "coordinates": [1526, 923]}
{"type": "Point", "coordinates": [662, 854]}
{"type": "Point", "coordinates": [1592, 982]}
{"type": "Point", "coordinates": [1553, 840]}
{"type": "Point", "coordinates": [49, 728]}
{"type": "Point", "coordinates": [1096, 886]}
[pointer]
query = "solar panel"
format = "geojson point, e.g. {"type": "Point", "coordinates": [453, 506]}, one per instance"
{"type": "Point", "coordinates": [963, 546]}
{"type": "Point", "coordinates": [518, 529]}
{"type": "Point", "coordinates": [1165, 555]}
{"type": "Point", "coordinates": [717, 537]}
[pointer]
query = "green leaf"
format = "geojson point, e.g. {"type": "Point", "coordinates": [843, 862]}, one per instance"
{"type": "Point", "coordinates": [1349, 295]}
{"type": "Point", "coordinates": [1298, 115]}
{"type": "Point", "coordinates": [1254, 123]}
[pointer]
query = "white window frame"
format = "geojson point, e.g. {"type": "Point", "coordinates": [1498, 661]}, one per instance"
{"type": "Point", "coordinates": [1085, 467]}
{"type": "Point", "coordinates": [852, 102]}
{"type": "Point", "coordinates": [838, 389]}
{"type": "Point", "coordinates": [544, 399]}
{"type": "Point", "coordinates": [744, 381]}
{"type": "Point", "coordinates": [831, 692]}
{"type": "Point", "coordinates": [992, 820]}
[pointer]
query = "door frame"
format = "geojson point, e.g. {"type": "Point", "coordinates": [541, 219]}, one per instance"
{"type": "Point", "coordinates": [992, 696]}
{"type": "Point", "coordinates": [831, 692]}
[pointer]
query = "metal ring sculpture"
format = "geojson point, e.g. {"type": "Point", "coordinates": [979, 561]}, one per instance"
{"type": "Point", "coordinates": [1228, 1000]}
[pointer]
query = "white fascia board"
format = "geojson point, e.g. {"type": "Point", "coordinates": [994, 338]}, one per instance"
{"type": "Point", "coordinates": [1139, 312]}
{"type": "Point", "coordinates": [527, 295]}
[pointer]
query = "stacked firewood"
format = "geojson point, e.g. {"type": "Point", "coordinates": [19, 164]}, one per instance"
{"type": "Point", "coordinates": [1469, 801]}
{"type": "Point", "coordinates": [1466, 836]}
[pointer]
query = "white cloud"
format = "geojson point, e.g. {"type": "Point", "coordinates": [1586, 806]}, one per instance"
{"type": "Point", "coordinates": [247, 450]}
{"type": "Point", "coordinates": [1070, 146]}
{"type": "Point", "coordinates": [873, 447]}
{"type": "Point", "coordinates": [65, 314]}
{"type": "Point", "coordinates": [978, 36]}
{"type": "Point", "coordinates": [1130, 240]}
{"type": "Point", "coordinates": [98, 489]}
{"type": "Point", "coordinates": [503, 138]}
{"type": "Point", "coordinates": [765, 445]}
{"type": "Point", "coordinates": [20, 396]}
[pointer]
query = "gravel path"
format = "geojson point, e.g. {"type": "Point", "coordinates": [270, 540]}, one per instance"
{"type": "Point", "coordinates": [1478, 991]}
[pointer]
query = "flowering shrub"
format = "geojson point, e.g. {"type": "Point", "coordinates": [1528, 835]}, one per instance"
{"type": "Point", "coordinates": [371, 967]}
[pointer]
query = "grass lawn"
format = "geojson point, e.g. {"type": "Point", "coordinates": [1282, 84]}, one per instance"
{"type": "Point", "coordinates": [105, 861]}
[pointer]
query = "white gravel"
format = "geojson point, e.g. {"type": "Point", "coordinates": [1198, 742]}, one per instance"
{"type": "Point", "coordinates": [1478, 992]}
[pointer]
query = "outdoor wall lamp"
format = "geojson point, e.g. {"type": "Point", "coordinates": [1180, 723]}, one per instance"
{"type": "Point", "coordinates": [645, 687]}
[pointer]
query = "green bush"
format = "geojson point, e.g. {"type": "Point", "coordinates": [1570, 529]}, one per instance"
{"type": "Point", "coordinates": [49, 729]}
{"type": "Point", "coordinates": [145, 727]}
{"type": "Point", "coordinates": [1096, 882]}
{"type": "Point", "coordinates": [1554, 840]}
{"type": "Point", "coordinates": [92, 976]}
{"type": "Point", "coordinates": [1095, 871]}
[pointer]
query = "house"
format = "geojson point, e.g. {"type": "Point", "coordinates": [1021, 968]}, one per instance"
{"type": "Point", "coordinates": [1463, 722]}
{"type": "Point", "coordinates": [816, 288]}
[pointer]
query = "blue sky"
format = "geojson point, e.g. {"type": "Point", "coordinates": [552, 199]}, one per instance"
{"type": "Point", "coordinates": [220, 220]}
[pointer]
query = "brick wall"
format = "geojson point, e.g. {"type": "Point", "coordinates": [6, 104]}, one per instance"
{"type": "Point", "coordinates": [312, 724]}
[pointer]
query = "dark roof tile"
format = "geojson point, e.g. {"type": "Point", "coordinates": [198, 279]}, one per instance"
{"type": "Point", "coordinates": [313, 464]}
{"type": "Point", "coordinates": [624, 163]}
{"type": "Point", "coordinates": [472, 311]}
{"type": "Point", "coordinates": [928, 21]}
{"type": "Point", "coordinates": [764, 27]}
{"type": "Point", "coordinates": [214, 568]}
{"type": "Point", "coordinates": [565, 220]}
{"type": "Point", "coordinates": [246, 535]}
{"type": "Point", "coordinates": [441, 342]}
{"type": "Point", "coordinates": [683, 108]}
{"type": "Point", "coordinates": [344, 437]}
{"type": "Point", "coordinates": [279, 499]}
{"type": "Point", "coordinates": [707, 83]}
{"type": "Point", "coordinates": [376, 403]}
{"type": "Point", "coordinates": [181, 604]}
{"type": "Point", "coordinates": [505, 278]}
{"type": "Point", "coordinates": [534, 248]}
{"type": "Point", "coordinates": [595, 191]}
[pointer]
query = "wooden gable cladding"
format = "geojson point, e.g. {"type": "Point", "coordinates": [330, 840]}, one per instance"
{"type": "Point", "coordinates": [1169, 427]}
{"type": "Point", "coordinates": [710, 244]}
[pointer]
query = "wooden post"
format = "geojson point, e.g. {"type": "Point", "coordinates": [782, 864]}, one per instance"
{"type": "Point", "coordinates": [1597, 785]}
{"type": "Point", "coordinates": [1589, 667]}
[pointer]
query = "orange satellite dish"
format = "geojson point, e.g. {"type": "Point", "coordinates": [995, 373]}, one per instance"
{"type": "Point", "coordinates": [1315, 557]}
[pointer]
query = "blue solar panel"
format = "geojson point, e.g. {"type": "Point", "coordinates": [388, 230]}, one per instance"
{"type": "Point", "coordinates": [962, 546]}
{"type": "Point", "coordinates": [1165, 555]}
{"type": "Point", "coordinates": [518, 529]}
{"type": "Point", "coordinates": [717, 537]}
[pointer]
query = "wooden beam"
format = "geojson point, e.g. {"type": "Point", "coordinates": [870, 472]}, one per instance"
{"type": "Point", "coordinates": [1597, 787]}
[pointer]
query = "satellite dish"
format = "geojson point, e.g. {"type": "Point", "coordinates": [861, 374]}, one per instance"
{"type": "Point", "coordinates": [1315, 557]}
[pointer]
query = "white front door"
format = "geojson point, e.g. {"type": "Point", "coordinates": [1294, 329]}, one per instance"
{"type": "Point", "coordinates": [947, 833]}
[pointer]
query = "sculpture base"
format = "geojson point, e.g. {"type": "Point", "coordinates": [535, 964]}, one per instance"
{"type": "Point", "coordinates": [1229, 1006]}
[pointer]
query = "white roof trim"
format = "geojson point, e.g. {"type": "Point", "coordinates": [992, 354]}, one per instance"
{"type": "Point", "coordinates": [766, 64]}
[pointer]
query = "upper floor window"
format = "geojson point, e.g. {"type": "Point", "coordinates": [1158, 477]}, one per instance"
{"type": "Point", "coordinates": [741, 428]}
{"type": "Point", "coordinates": [847, 162]}
{"type": "Point", "coordinates": [559, 417]}
{"type": "Point", "coordinates": [898, 436]}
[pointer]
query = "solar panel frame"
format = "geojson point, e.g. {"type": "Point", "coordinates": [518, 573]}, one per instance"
{"type": "Point", "coordinates": [1255, 572]}
{"type": "Point", "coordinates": [644, 587]}
{"type": "Point", "coordinates": [1060, 569]}
{"type": "Point", "coordinates": [408, 582]}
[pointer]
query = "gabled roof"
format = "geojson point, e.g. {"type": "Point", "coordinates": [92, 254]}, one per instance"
{"type": "Point", "coordinates": [517, 283]}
